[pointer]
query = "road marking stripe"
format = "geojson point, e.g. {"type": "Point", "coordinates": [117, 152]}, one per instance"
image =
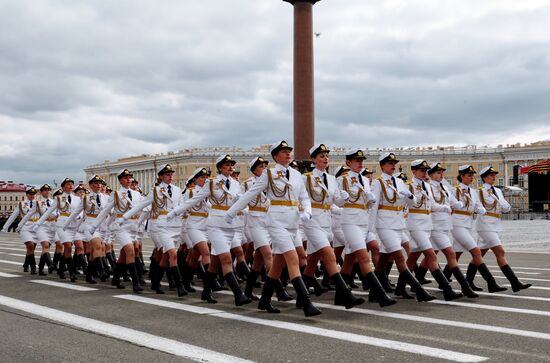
{"type": "Point", "coordinates": [536, 298]}
{"type": "Point", "coordinates": [63, 285]}
{"type": "Point", "coordinates": [515, 267]}
{"type": "Point", "coordinates": [301, 328]}
{"type": "Point", "coordinates": [12, 254]}
{"type": "Point", "coordinates": [5, 274]}
{"type": "Point", "coordinates": [492, 307]}
{"type": "Point", "coordinates": [527, 278]}
{"type": "Point", "coordinates": [533, 287]}
{"type": "Point", "coordinates": [11, 262]}
{"type": "Point", "coordinates": [136, 337]}
{"type": "Point", "coordinates": [13, 249]}
{"type": "Point", "coordinates": [452, 323]}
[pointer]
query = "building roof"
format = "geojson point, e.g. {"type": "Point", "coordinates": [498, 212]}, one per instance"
{"type": "Point", "coordinates": [11, 187]}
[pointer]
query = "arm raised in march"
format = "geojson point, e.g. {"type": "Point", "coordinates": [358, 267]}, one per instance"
{"type": "Point", "coordinates": [196, 199]}
{"type": "Point", "coordinates": [140, 206]}
{"type": "Point", "coordinates": [11, 219]}
{"type": "Point", "coordinates": [259, 186]}
{"type": "Point", "coordinates": [47, 214]}
{"type": "Point", "coordinates": [74, 213]}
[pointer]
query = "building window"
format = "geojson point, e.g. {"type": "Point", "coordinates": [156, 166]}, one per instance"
{"type": "Point", "coordinates": [500, 182]}
{"type": "Point", "coordinates": [521, 181]}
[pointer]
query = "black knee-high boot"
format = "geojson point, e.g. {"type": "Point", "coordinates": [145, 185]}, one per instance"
{"type": "Point", "coordinates": [384, 280]}
{"type": "Point", "coordinates": [250, 283]}
{"type": "Point", "coordinates": [55, 265]}
{"type": "Point", "coordinates": [492, 285]}
{"type": "Point", "coordinates": [61, 268]}
{"type": "Point", "coordinates": [100, 269]}
{"type": "Point", "coordinates": [406, 277]}
{"type": "Point", "coordinates": [71, 265]}
{"type": "Point", "coordinates": [464, 285]}
{"type": "Point", "coordinates": [156, 277]}
{"type": "Point", "coordinates": [514, 281]}
{"type": "Point", "coordinates": [26, 264]}
{"type": "Point", "coordinates": [41, 264]}
{"type": "Point", "coordinates": [170, 278]}
{"type": "Point", "coordinates": [242, 270]}
{"type": "Point", "coordinates": [421, 275]}
{"type": "Point", "coordinates": [134, 276]}
{"type": "Point", "coordinates": [90, 274]}
{"type": "Point", "coordinates": [267, 293]}
{"type": "Point", "coordinates": [32, 264]}
{"type": "Point", "coordinates": [377, 293]}
{"type": "Point", "coordinates": [389, 266]}
{"type": "Point", "coordinates": [448, 273]}
{"type": "Point", "coordinates": [240, 298]}
{"type": "Point", "coordinates": [137, 263]}
{"type": "Point", "coordinates": [82, 262]}
{"type": "Point", "coordinates": [282, 294]}
{"type": "Point", "coordinates": [284, 276]}
{"type": "Point", "coordinates": [117, 273]}
{"type": "Point", "coordinates": [207, 290]}
{"type": "Point", "coordinates": [48, 260]}
{"type": "Point", "coordinates": [448, 292]}
{"type": "Point", "coordinates": [343, 295]}
{"type": "Point", "coordinates": [325, 282]}
{"type": "Point", "coordinates": [111, 260]}
{"type": "Point", "coordinates": [177, 281]}
{"type": "Point", "coordinates": [303, 300]}
{"type": "Point", "coordinates": [470, 276]}
{"type": "Point", "coordinates": [187, 273]}
{"type": "Point", "coordinates": [311, 281]}
{"type": "Point", "coordinates": [143, 267]}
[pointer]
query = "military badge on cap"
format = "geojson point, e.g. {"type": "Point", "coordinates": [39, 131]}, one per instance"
{"type": "Point", "coordinates": [108, 189]}
{"type": "Point", "coordinates": [31, 190]}
{"type": "Point", "coordinates": [58, 192]}
{"type": "Point", "coordinates": [387, 157]}
{"type": "Point", "coordinates": [294, 165]}
{"type": "Point", "coordinates": [95, 179]}
{"type": "Point", "coordinates": [419, 164]}
{"type": "Point", "coordinates": [45, 187]}
{"type": "Point", "coordinates": [124, 172]}
{"type": "Point", "coordinates": [282, 145]}
{"type": "Point", "coordinates": [401, 176]}
{"type": "Point", "coordinates": [466, 169]}
{"type": "Point", "coordinates": [163, 169]}
{"type": "Point", "coordinates": [436, 167]}
{"type": "Point", "coordinates": [366, 171]}
{"type": "Point", "coordinates": [223, 159]}
{"type": "Point", "coordinates": [341, 170]}
{"type": "Point", "coordinates": [487, 170]}
{"type": "Point", "coordinates": [253, 164]}
{"type": "Point", "coordinates": [79, 188]}
{"type": "Point", "coordinates": [317, 149]}
{"type": "Point", "coordinates": [199, 172]}
{"type": "Point", "coordinates": [66, 180]}
{"type": "Point", "coordinates": [359, 154]}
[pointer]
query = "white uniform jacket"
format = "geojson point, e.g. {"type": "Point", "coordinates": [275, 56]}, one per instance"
{"type": "Point", "coordinates": [355, 209]}
{"type": "Point", "coordinates": [493, 201]}
{"type": "Point", "coordinates": [322, 196]}
{"type": "Point", "coordinates": [389, 204]}
{"type": "Point", "coordinates": [162, 199]}
{"type": "Point", "coordinates": [442, 195]}
{"type": "Point", "coordinates": [285, 196]}
{"type": "Point", "coordinates": [63, 204]}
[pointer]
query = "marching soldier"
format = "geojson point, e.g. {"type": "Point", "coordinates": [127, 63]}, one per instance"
{"type": "Point", "coordinates": [62, 206]}
{"type": "Point", "coordinates": [46, 233]}
{"type": "Point", "coordinates": [120, 202]}
{"type": "Point", "coordinates": [323, 191]}
{"type": "Point", "coordinates": [286, 191]}
{"type": "Point", "coordinates": [355, 224]}
{"type": "Point", "coordinates": [222, 191]}
{"type": "Point", "coordinates": [463, 223]}
{"type": "Point", "coordinates": [26, 229]}
{"type": "Point", "coordinates": [391, 197]}
{"type": "Point", "coordinates": [488, 225]}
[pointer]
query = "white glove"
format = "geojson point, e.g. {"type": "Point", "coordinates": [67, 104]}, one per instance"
{"type": "Point", "coordinates": [459, 205]}
{"type": "Point", "coordinates": [81, 228]}
{"type": "Point", "coordinates": [305, 216]}
{"type": "Point", "coordinates": [4, 231]}
{"type": "Point", "coordinates": [92, 229]}
{"type": "Point", "coordinates": [236, 197]}
{"type": "Point", "coordinates": [371, 197]}
{"type": "Point", "coordinates": [344, 195]}
{"type": "Point", "coordinates": [18, 229]}
{"type": "Point", "coordinates": [447, 209]}
{"type": "Point", "coordinates": [35, 227]}
{"type": "Point", "coordinates": [405, 193]}
{"type": "Point", "coordinates": [120, 221]}
{"type": "Point", "coordinates": [171, 215]}
{"type": "Point", "coordinates": [228, 219]}
{"type": "Point", "coordinates": [481, 211]}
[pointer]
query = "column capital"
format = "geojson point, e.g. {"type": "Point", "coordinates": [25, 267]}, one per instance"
{"type": "Point", "coordinates": [305, 1]}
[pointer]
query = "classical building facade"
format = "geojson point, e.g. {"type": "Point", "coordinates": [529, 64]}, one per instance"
{"type": "Point", "coordinates": [10, 194]}
{"type": "Point", "coordinates": [502, 157]}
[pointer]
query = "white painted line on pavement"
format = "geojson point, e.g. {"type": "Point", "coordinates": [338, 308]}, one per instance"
{"type": "Point", "coordinates": [12, 254]}
{"type": "Point", "coordinates": [63, 285]}
{"type": "Point", "coordinates": [133, 336]}
{"type": "Point", "coordinates": [11, 262]}
{"type": "Point", "coordinates": [527, 278]}
{"type": "Point", "coordinates": [452, 323]}
{"type": "Point", "coordinates": [306, 329]}
{"type": "Point", "coordinates": [5, 274]}
{"type": "Point", "coordinates": [514, 267]}
{"type": "Point", "coordinates": [523, 297]}
{"type": "Point", "coordinates": [492, 307]}
{"type": "Point", "coordinates": [533, 287]}
{"type": "Point", "coordinates": [13, 249]}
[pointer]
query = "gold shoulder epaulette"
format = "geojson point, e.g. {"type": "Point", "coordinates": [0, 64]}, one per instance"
{"type": "Point", "coordinates": [308, 173]}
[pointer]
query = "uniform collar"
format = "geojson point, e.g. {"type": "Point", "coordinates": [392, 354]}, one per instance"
{"type": "Point", "coordinates": [352, 173]}
{"type": "Point", "coordinates": [223, 177]}
{"type": "Point", "coordinates": [386, 176]}
{"type": "Point", "coordinates": [318, 172]}
{"type": "Point", "coordinates": [164, 185]}
{"type": "Point", "coordinates": [280, 167]}
{"type": "Point", "coordinates": [416, 180]}
{"type": "Point", "coordinates": [463, 186]}
{"type": "Point", "coordinates": [487, 186]}
{"type": "Point", "coordinates": [123, 189]}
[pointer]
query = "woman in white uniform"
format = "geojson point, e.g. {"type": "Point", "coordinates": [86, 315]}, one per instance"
{"type": "Point", "coordinates": [286, 191]}
{"type": "Point", "coordinates": [120, 202]}
{"type": "Point", "coordinates": [62, 206]}
{"type": "Point", "coordinates": [25, 227]}
{"type": "Point", "coordinates": [391, 196]}
{"type": "Point", "coordinates": [488, 225]}
{"type": "Point", "coordinates": [323, 192]}
{"type": "Point", "coordinates": [463, 222]}
{"type": "Point", "coordinates": [221, 191]}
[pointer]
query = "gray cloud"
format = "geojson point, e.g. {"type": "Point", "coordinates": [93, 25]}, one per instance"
{"type": "Point", "coordinates": [82, 82]}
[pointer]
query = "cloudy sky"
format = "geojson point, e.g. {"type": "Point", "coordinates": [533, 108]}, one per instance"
{"type": "Point", "coordinates": [87, 81]}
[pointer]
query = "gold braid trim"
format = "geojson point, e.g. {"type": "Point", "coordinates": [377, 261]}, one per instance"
{"type": "Point", "coordinates": [422, 200]}
{"type": "Point", "coordinates": [385, 192]}
{"type": "Point", "coordinates": [467, 198]}
{"type": "Point", "coordinates": [313, 194]}
{"type": "Point", "coordinates": [65, 209]}
{"type": "Point", "coordinates": [484, 203]}
{"type": "Point", "coordinates": [443, 195]}
{"type": "Point", "coordinates": [352, 198]}
{"type": "Point", "coordinates": [276, 190]}
{"type": "Point", "coordinates": [119, 205]}
{"type": "Point", "coordinates": [216, 201]}
{"type": "Point", "coordinates": [21, 212]}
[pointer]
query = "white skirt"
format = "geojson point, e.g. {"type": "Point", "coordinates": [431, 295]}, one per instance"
{"type": "Point", "coordinates": [488, 239]}
{"type": "Point", "coordinates": [356, 237]}
{"type": "Point", "coordinates": [317, 237]}
{"type": "Point", "coordinates": [440, 240]}
{"type": "Point", "coordinates": [463, 240]}
{"type": "Point", "coordinates": [420, 241]}
{"type": "Point", "coordinates": [220, 239]}
{"type": "Point", "coordinates": [390, 239]}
